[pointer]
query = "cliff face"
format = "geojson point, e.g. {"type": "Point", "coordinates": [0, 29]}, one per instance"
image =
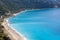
{"type": "Point", "coordinates": [17, 5]}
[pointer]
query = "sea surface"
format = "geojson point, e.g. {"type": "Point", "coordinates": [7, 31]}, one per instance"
{"type": "Point", "coordinates": [43, 24]}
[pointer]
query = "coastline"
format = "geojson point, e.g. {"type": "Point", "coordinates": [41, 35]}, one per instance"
{"type": "Point", "coordinates": [15, 14]}
{"type": "Point", "coordinates": [6, 22]}
{"type": "Point", "coordinates": [18, 35]}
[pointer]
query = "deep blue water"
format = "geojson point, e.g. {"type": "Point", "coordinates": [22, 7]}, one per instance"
{"type": "Point", "coordinates": [38, 24]}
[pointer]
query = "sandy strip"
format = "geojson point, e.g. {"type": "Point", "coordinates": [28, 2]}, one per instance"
{"type": "Point", "coordinates": [24, 11]}
{"type": "Point", "coordinates": [11, 31]}
{"type": "Point", "coordinates": [16, 35]}
{"type": "Point", "coordinates": [19, 13]}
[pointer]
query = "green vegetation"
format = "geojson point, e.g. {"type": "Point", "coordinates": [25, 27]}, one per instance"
{"type": "Point", "coordinates": [9, 7]}
{"type": "Point", "coordinates": [14, 6]}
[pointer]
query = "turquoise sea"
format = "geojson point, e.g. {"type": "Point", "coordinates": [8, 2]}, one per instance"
{"type": "Point", "coordinates": [43, 24]}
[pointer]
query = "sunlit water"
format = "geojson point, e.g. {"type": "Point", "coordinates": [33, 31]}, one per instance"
{"type": "Point", "coordinates": [38, 24]}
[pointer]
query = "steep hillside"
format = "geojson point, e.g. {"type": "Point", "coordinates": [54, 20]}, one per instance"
{"type": "Point", "coordinates": [18, 5]}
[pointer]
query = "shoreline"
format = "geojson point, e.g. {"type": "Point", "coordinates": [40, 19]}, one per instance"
{"type": "Point", "coordinates": [8, 25]}
{"type": "Point", "coordinates": [16, 32]}
{"type": "Point", "coordinates": [29, 10]}
{"type": "Point", "coordinates": [15, 14]}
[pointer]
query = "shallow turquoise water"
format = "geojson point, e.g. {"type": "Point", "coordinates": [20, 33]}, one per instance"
{"type": "Point", "coordinates": [38, 24]}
